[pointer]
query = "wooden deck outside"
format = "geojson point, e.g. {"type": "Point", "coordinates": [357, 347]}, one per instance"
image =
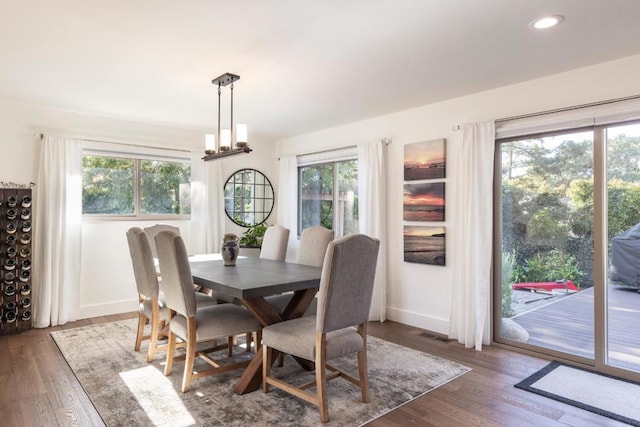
{"type": "Point", "coordinates": [567, 324]}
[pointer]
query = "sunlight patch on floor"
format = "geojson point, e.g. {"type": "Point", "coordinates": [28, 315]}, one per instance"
{"type": "Point", "coordinates": [151, 389]}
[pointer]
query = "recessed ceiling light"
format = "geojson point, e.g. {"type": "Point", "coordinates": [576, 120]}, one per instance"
{"type": "Point", "coordinates": [547, 22]}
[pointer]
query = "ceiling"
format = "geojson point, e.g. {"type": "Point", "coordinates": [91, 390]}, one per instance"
{"type": "Point", "coordinates": [304, 65]}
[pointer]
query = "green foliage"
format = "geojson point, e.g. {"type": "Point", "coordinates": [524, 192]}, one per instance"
{"type": "Point", "coordinates": [548, 267]}
{"type": "Point", "coordinates": [253, 236]}
{"type": "Point", "coordinates": [109, 186]}
{"type": "Point", "coordinates": [508, 264]}
{"type": "Point", "coordinates": [317, 187]}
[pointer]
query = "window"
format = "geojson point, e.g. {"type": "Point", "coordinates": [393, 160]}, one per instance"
{"type": "Point", "coordinates": [121, 186]}
{"type": "Point", "coordinates": [328, 196]}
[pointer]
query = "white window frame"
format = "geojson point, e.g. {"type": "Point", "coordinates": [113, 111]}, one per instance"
{"type": "Point", "coordinates": [137, 154]}
{"type": "Point", "coordinates": [314, 159]}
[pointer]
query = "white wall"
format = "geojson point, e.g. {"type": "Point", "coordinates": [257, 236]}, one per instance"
{"type": "Point", "coordinates": [107, 283]}
{"type": "Point", "coordinates": [417, 294]}
{"type": "Point", "coordinates": [420, 294]}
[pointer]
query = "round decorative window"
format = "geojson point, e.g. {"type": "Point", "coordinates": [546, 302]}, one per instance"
{"type": "Point", "coordinates": [248, 197]}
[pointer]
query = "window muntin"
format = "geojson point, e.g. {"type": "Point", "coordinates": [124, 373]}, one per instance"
{"type": "Point", "coordinates": [328, 196]}
{"type": "Point", "coordinates": [127, 187]}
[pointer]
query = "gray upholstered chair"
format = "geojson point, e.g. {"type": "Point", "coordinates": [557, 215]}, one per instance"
{"type": "Point", "coordinates": [153, 231]}
{"type": "Point", "coordinates": [339, 327]}
{"type": "Point", "coordinates": [152, 309]}
{"type": "Point", "coordinates": [274, 243]}
{"type": "Point", "coordinates": [193, 325]}
{"type": "Point", "coordinates": [313, 246]}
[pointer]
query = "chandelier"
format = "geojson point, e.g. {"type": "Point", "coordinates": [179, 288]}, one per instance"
{"type": "Point", "coordinates": [221, 145]}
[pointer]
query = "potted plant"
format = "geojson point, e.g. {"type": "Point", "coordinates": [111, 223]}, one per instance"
{"type": "Point", "coordinates": [252, 238]}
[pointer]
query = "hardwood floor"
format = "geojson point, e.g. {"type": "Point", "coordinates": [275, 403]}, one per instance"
{"type": "Point", "coordinates": [37, 388]}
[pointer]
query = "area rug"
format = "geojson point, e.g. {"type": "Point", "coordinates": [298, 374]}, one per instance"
{"type": "Point", "coordinates": [127, 391]}
{"type": "Point", "coordinates": [604, 395]}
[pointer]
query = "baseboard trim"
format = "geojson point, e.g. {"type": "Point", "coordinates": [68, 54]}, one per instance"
{"type": "Point", "coordinates": [418, 320]}
{"type": "Point", "coordinates": [116, 307]}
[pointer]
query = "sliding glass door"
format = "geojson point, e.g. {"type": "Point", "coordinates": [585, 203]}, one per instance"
{"type": "Point", "coordinates": [568, 245]}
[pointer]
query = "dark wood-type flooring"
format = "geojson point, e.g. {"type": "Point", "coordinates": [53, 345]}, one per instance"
{"type": "Point", "coordinates": [37, 388]}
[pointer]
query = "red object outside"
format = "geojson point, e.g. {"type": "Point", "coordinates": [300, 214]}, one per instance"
{"type": "Point", "coordinates": [546, 286]}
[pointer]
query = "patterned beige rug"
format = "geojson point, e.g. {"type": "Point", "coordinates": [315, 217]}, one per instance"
{"type": "Point", "coordinates": [127, 391]}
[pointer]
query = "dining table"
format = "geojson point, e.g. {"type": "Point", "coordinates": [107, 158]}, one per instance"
{"type": "Point", "coordinates": [251, 280]}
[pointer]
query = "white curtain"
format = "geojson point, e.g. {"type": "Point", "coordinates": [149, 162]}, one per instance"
{"type": "Point", "coordinates": [288, 201]}
{"type": "Point", "coordinates": [372, 209]}
{"type": "Point", "coordinates": [472, 242]}
{"type": "Point", "coordinates": [207, 205]}
{"type": "Point", "coordinates": [58, 232]}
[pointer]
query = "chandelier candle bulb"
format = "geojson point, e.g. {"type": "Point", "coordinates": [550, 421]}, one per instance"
{"type": "Point", "coordinates": [241, 134]}
{"type": "Point", "coordinates": [210, 143]}
{"type": "Point", "coordinates": [225, 139]}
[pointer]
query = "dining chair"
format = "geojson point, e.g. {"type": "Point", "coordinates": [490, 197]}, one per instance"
{"type": "Point", "coordinates": [274, 243]}
{"type": "Point", "coordinates": [193, 325]}
{"type": "Point", "coordinates": [153, 231]}
{"type": "Point", "coordinates": [313, 246]}
{"type": "Point", "coordinates": [151, 309]}
{"type": "Point", "coordinates": [339, 327]}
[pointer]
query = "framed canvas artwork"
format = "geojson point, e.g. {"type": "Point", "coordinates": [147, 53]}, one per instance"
{"type": "Point", "coordinates": [424, 245]}
{"type": "Point", "coordinates": [423, 202]}
{"type": "Point", "coordinates": [425, 160]}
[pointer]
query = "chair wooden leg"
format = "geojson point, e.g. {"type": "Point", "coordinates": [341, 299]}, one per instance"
{"type": "Point", "coordinates": [257, 340]}
{"type": "Point", "coordinates": [230, 342]}
{"type": "Point", "coordinates": [362, 365]}
{"type": "Point", "coordinates": [171, 347]}
{"type": "Point", "coordinates": [266, 367]}
{"type": "Point", "coordinates": [321, 378]}
{"type": "Point", "coordinates": [248, 339]}
{"type": "Point", "coordinates": [191, 354]}
{"type": "Point", "coordinates": [142, 320]}
{"type": "Point", "coordinates": [153, 341]}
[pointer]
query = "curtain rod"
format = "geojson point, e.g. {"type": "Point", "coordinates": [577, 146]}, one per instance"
{"type": "Point", "coordinates": [575, 107]}
{"type": "Point", "coordinates": [41, 135]}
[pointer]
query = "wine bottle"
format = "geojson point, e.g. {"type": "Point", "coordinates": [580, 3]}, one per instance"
{"type": "Point", "coordinates": [25, 264]}
{"type": "Point", "coordinates": [25, 213]}
{"type": "Point", "coordinates": [12, 201]}
{"type": "Point", "coordinates": [9, 277]}
{"type": "Point", "coordinates": [10, 305]}
{"type": "Point", "coordinates": [10, 316]}
{"type": "Point", "coordinates": [12, 251]}
{"type": "Point", "coordinates": [10, 264]}
{"type": "Point", "coordinates": [26, 226]}
{"type": "Point", "coordinates": [11, 214]}
{"type": "Point", "coordinates": [26, 315]}
{"type": "Point", "coordinates": [25, 289]}
{"type": "Point", "coordinates": [26, 302]}
{"type": "Point", "coordinates": [9, 290]}
{"type": "Point", "coordinates": [25, 239]}
{"type": "Point", "coordinates": [11, 228]}
{"type": "Point", "coordinates": [26, 201]}
{"type": "Point", "coordinates": [25, 252]}
{"type": "Point", "coordinates": [25, 276]}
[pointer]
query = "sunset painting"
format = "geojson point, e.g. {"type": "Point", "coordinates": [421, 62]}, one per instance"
{"type": "Point", "coordinates": [425, 160]}
{"type": "Point", "coordinates": [424, 245]}
{"type": "Point", "coordinates": [423, 202]}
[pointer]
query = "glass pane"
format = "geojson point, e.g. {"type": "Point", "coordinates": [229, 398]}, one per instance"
{"type": "Point", "coordinates": [547, 242]}
{"type": "Point", "coordinates": [348, 197]}
{"type": "Point", "coordinates": [623, 219]}
{"type": "Point", "coordinates": [164, 187]}
{"type": "Point", "coordinates": [316, 196]}
{"type": "Point", "coordinates": [108, 186]}
{"type": "Point", "coordinates": [251, 197]}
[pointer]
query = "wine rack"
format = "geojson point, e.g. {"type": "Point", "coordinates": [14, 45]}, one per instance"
{"type": "Point", "coordinates": [16, 233]}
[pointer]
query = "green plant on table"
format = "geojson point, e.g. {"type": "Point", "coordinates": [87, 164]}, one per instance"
{"type": "Point", "coordinates": [253, 236]}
